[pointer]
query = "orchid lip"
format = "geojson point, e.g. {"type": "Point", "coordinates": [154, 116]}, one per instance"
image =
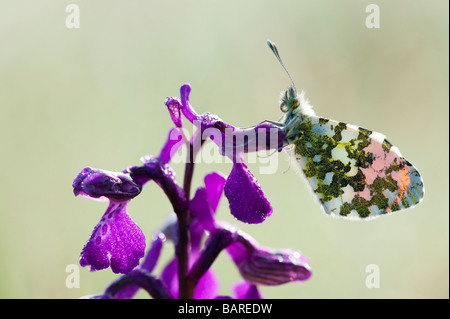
{"type": "Point", "coordinates": [116, 241]}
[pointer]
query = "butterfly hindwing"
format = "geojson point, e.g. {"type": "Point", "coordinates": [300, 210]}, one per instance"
{"type": "Point", "coordinates": [354, 172]}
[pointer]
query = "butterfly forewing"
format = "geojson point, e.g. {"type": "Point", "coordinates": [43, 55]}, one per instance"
{"type": "Point", "coordinates": [354, 172]}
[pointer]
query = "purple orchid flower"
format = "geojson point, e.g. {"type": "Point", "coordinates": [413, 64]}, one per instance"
{"type": "Point", "coordinates": [243, 191]}
{"type": "Point", "coordinates": [115, 224]}
{"type": "Point", "coordinates": [195, 232]}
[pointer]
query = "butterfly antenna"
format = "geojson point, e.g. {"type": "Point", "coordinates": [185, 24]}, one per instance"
{"type": "Point", "coordinates": [274, 49]}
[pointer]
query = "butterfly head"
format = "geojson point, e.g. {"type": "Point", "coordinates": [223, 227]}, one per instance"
{"type": "Point", "coordinates": [289, 100]}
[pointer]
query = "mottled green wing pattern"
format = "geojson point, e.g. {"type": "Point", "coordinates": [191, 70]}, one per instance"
{"type": "Point", "coordinates": [353, 171]}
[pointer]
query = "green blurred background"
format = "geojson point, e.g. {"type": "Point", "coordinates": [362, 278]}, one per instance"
{"type": "Point", "coordinates": [93, 96]}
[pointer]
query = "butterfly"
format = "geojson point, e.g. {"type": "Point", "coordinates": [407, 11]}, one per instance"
{"type": "Point", "coordinates": [354, 172]}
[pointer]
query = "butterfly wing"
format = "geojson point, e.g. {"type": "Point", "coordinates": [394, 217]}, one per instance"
{"type": "Point", "coordinates": [354, 172]}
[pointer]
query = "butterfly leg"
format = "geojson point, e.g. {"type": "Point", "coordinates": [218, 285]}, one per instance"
{"type": "Point", "coordinates": [272, 122]}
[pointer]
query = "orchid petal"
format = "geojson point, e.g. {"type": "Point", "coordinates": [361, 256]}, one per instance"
{"type": "Point", "coordinates": [245, 196]}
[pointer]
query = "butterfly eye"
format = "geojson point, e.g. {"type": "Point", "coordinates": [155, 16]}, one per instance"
{"type": "Point", "coordinates": [283, 107]}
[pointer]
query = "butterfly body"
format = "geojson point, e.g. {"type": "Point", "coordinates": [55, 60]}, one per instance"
{"type": "Point", "coordinates": [354, 172]}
